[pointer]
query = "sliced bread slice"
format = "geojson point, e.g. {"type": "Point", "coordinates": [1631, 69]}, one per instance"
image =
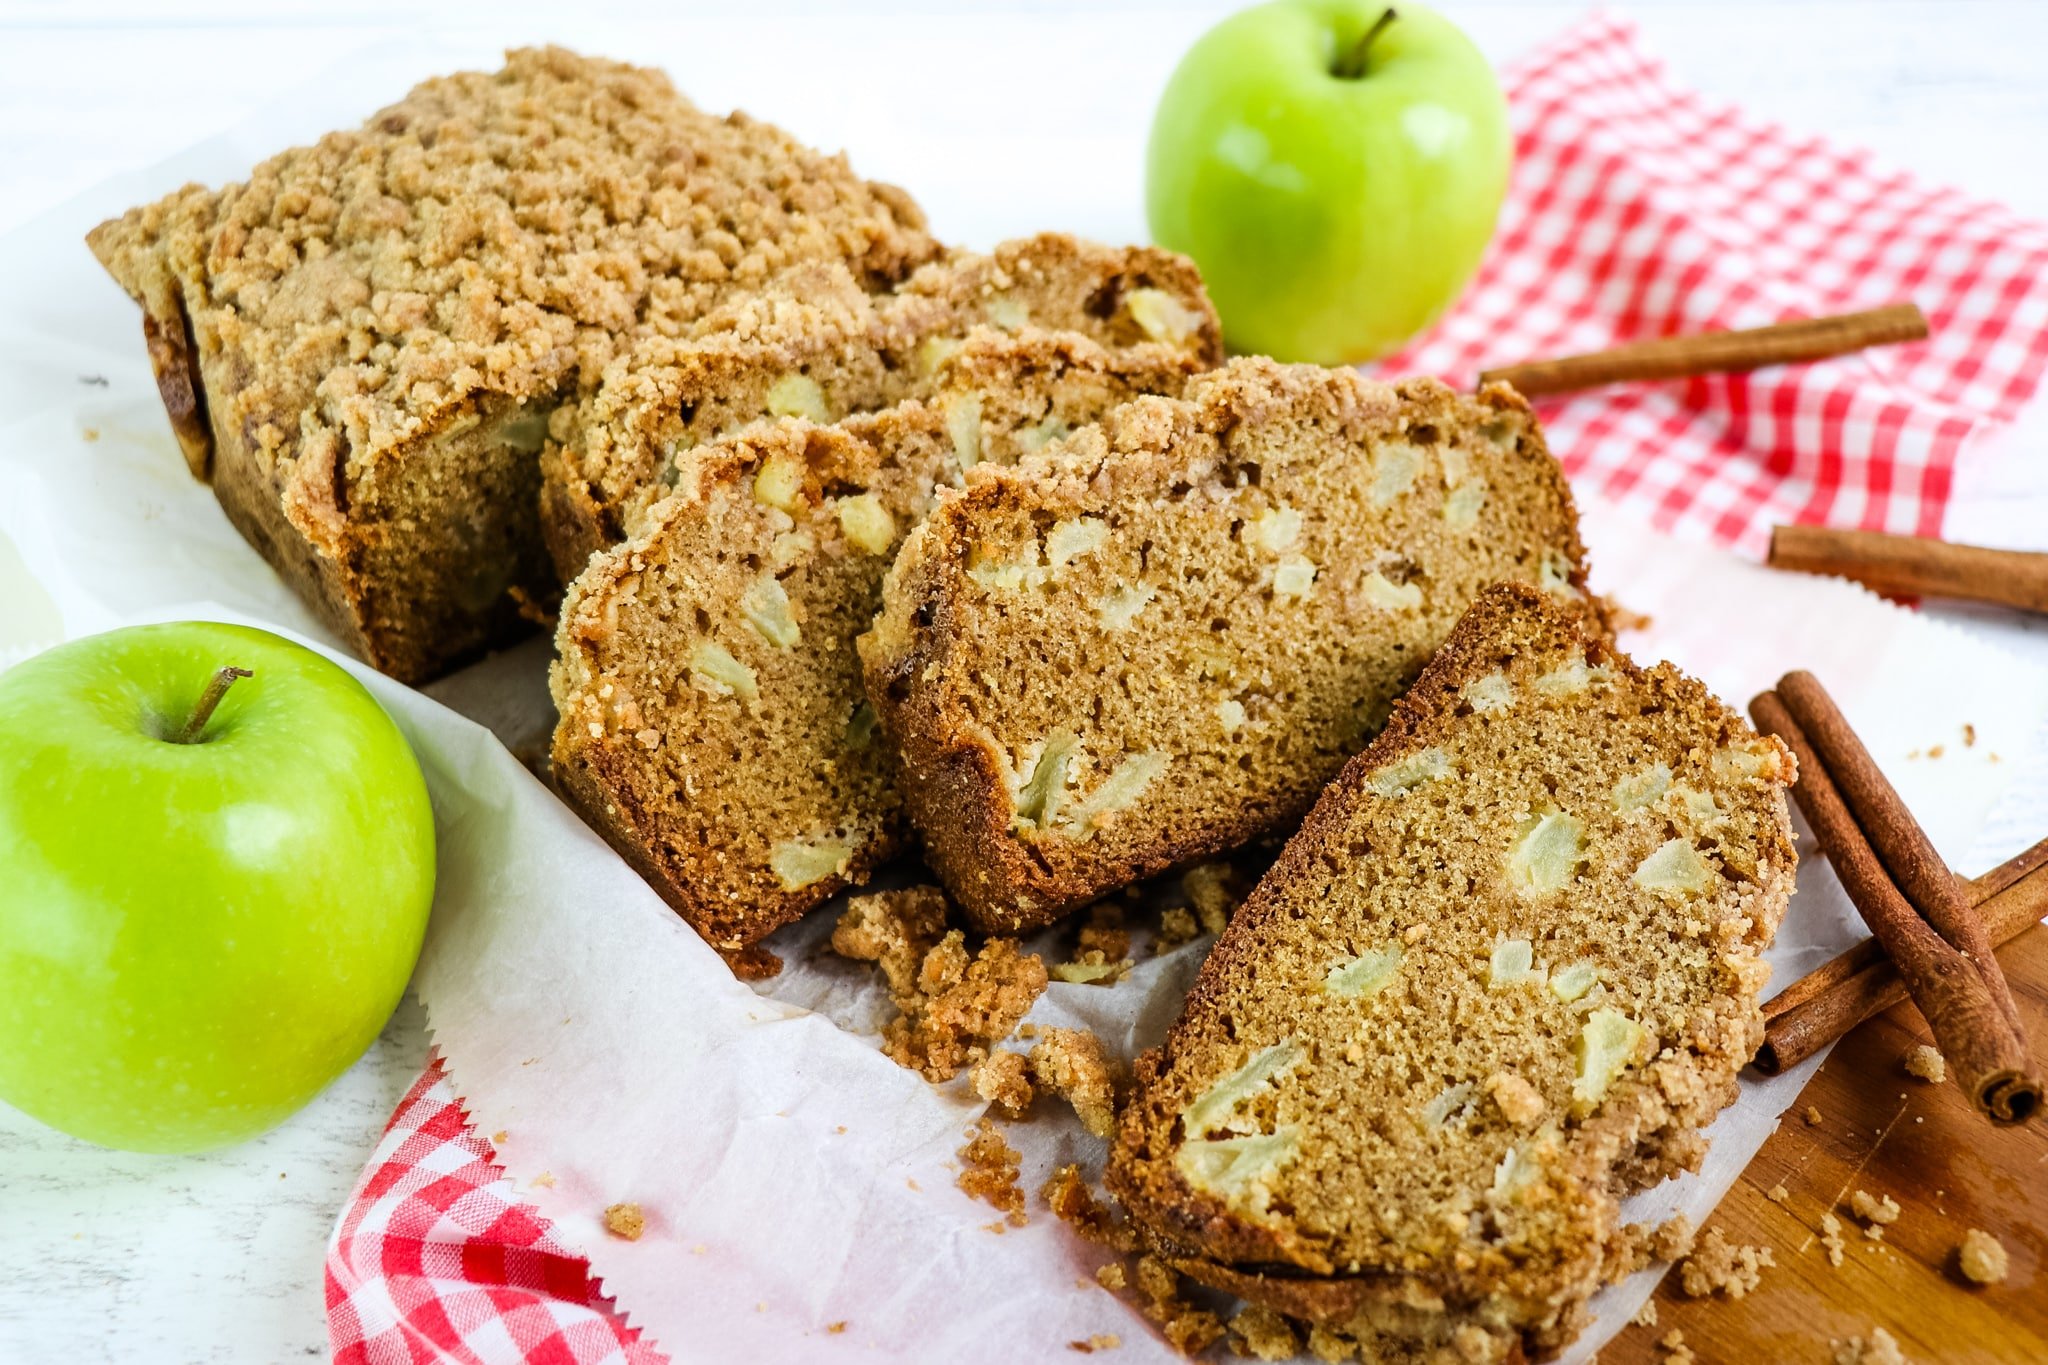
{"type": "Point", "coordinates": [713, 725]}
{"type": "Point", "coordinates": [813, 342]}
{"type": "Point", "coordinates": [1500, 979]}
{"type": "Point", "coordinates": [1161, 639]}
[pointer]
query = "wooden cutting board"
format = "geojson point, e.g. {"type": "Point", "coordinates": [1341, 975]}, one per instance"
{"type": "Point", "coordinates": [1891, 1134]}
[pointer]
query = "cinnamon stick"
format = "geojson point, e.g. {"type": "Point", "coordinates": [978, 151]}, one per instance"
{"type": "Point", "coordinates": [1915, 566]}
{"type": "Point", "coordinates": [1781, 343]}
{"type": "Point", "coordinates": [1824, 1005]}
{"type": "Point", "coordinates": [1957, 985]}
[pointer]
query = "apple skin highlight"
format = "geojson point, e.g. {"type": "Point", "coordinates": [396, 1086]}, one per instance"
{"type": "Point", "coordinates": [196, 938]}
{"type": "Point", "coordinates": [1333, 216]}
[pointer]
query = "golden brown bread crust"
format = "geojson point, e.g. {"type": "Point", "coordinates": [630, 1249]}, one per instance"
{"type": "Point", "coordinates": [929, 693]}
{"type": "Point", "coordinates": [1644, 1129]}
{"type": "Point", "coordinates": [481, 246]}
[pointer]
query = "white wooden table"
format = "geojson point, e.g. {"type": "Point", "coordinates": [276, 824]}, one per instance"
{"type": "Point", "coordinates": [217, 1258]}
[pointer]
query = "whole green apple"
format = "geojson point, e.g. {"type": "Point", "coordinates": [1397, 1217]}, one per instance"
{"type": "Point", "coordinates": [216, 860]}
{"type": "Point", "coordinates": [1335, 168]}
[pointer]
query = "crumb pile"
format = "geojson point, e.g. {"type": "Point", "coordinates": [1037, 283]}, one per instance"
{"type": "Point", "coordinates": [1158, 641]}
{"type": "Point", "coordinates": [955, 1005]}
{"type": "Point", "coordinates": [1553, 868]}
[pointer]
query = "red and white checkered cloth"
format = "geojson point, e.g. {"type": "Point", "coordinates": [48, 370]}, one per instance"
{"type": "Point", "coordinates": [1637, 210]}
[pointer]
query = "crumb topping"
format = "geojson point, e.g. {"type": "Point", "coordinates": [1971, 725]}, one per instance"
{"type": "Point", "coordinates": [1982, 1258]}
{"type": "Point", "coordinates": [1718, 1266]}
{"type": "Point", "coordinates": [1072, 1063]}
{"type": "Point", "coordinates": [1879, 1348]}
{"type": "Point", "coordinates": [625, 1221]}
{"type": "Point", "coordinates": [1927, 1064]}
{"type": "Point", "coordinates": [989, 1172]}
{"type": "Point", "coordinates": [492, 232]}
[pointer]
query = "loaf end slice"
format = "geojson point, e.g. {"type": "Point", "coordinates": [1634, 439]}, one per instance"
{"type": "Point", "coordinates": [1500, 979]}
{"type": "Point", "coordinates": [1161, 639]}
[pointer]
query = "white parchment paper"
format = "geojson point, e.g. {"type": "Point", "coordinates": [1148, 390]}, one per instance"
{"type": "Point", "coordinates": [793, 1178]}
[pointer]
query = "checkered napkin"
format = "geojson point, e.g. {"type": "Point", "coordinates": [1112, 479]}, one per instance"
{"type": "Point", "coordinates": [1637, 210]}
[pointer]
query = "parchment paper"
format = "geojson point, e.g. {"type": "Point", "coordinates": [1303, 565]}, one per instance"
{"type": "Point", "coordinates": [792, 1177]}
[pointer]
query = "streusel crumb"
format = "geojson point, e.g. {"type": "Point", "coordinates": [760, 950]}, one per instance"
{"type": "Point", "coordinates": [625, 1221]}
{"type": "Point", "coordinates": [1982, 1258]}
{"type": "Point", "coordinates": [1262, 1334]}
{"type": "Point", "coordinates": [1926, 1063]}
{"type": "Point", "coordinates": [1718, 1266]}
{"type": "Point", "coordinates": [990, 1172]}
{"type": "Point", "coordinates": [1675, 1351]}
{"type": "Point", "coordinates": [1004, 1080]}
{"type": "Point", "coordinates": [1072, 1063]}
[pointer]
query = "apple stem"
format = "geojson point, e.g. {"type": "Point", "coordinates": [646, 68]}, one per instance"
{"type": "Point", "coordinates": [203, 712]}
{"type": "Point", "coordinates": [1352, 65]}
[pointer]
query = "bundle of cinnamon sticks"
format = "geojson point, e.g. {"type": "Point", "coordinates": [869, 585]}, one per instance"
{"type": "Point", "coordinates": [1926, 921]}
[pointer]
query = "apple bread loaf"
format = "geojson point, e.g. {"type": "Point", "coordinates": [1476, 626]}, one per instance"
{"type": "Point", "coordinates": [361, 346]}
{"type": "Point", "coordinates": [814, 343]}
{"type": "Point", "coordinates": [1161, 638]}
{"type": "Point", "coordinates": [1499, 980]}
{"type": "Point", "coordinates": [713, 726]}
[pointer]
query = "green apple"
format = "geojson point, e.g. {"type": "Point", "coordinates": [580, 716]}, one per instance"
{"type": "Point", "coordinates": [1335, 168]}
{"type": "Point", "coordinates": [216, 860]}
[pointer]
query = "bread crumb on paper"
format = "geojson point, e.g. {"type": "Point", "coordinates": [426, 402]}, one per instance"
{"type": "Point", "coordinates": [1191, 1330]}
{"type": "Point", "coordinates": [1969, 735]}
{"type": "Point", "coordinates": [990, 1172]}
{"type": "Point", "coordinates": [1214, 891]}
{"type": "Point", "coordinates": [1982, 1258]}
{"type": "Point", "coordinates": [1104, 931]}
{"type": "Point", "coordinates": [1926, 1063]}
{"type": "Point", "coordinates": [625, 1221]}
{"type": "Point", "coordinates": [1646, 1316]}
{"type": "Point", "coordinates": [1092, 967]}
{"type": "Point", "coordinates": [1073, 1202]}
{"type": "Point", "coordinates": [833, 1329]}
{"type": "Point", "coordinates": [1101, 1341]}
{"type": "Point", "coordinates": [1004, 1080]}
{"type": "Point", "coordinates": [954, 1007]}
{"type": "Point", "coordinates": [1718, 1266]}
{"type": "Point", "coordinates": [1262, 1334]}
{"type": "Point", "coordinates": [1073, 1064]}
{"type": "Point", "coordinates": [1177, 927]}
